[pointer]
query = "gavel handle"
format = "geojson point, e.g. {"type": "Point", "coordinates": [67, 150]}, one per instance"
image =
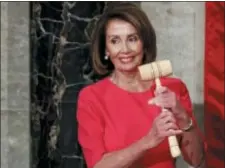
{"type": "Point", "coordinates": [173, 144]}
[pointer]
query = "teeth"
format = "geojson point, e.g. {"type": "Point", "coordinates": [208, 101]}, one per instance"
{"type": "Point", "coordinates": [126, 59]}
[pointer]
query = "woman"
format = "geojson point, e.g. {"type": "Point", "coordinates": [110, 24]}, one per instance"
{"type": "Point", "coordinates": [117, 128]}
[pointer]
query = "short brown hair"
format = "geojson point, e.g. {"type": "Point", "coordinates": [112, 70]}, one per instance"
{"type": "Point", "coordinates": [131, 13]}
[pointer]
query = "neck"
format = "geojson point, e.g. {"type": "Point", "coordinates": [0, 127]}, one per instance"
{"type": "Point", "coordinates": [130, 81]}
{"type": "Point", "coordinates": [126, 77]}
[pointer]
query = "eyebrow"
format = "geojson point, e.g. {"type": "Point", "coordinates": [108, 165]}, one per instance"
{"type": "Point", "coordinates": [112, 35]}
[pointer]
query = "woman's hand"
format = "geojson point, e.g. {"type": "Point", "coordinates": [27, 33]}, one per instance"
{"type": "Point", "coordinates": [163, 126]}
{"type": "Point", "coordinates": [166, 98]}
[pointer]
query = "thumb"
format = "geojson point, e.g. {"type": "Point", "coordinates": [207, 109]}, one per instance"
{"type": "Point", "coordinates": [153, 101]}
{"type": "Point", "coordinates": [160, 90]}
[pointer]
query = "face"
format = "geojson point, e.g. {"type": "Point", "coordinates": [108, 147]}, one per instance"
{"type": "Point", "coordinates": [123, 45]}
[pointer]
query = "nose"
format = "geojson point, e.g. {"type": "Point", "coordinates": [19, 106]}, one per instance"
{"type": "Point", "coordinates": [125, 47]}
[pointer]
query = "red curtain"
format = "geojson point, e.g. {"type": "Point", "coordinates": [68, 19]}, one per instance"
{"type": "Point", "coordinates": [214, 84]}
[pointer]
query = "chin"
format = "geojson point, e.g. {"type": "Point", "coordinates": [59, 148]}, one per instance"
{"type": "Point", "coordinates": [128, 68]}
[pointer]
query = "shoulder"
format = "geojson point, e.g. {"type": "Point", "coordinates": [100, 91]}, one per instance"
{"type": "Point", "coordinates": [174, 83]}
{"type": "Point", "coordinates": [171, 80]}
{"type": "Point", "coordinates": [94, 89]}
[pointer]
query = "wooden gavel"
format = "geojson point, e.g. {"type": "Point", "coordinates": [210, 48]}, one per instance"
{"type": "Point", "coordinates": [153, 71]}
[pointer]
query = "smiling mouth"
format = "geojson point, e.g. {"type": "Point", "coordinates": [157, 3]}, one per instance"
{"type": "Point", "coordinates": [126, 59]}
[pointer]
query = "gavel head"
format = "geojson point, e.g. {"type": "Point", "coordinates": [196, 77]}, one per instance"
{"type": "Point", "coordinates": [155, 70]}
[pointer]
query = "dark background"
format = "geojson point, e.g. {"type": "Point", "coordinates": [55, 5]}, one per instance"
{"type": "Point", "coordinates": [60, 34]}
{"type": "Point", "coordinates": [61, 66]}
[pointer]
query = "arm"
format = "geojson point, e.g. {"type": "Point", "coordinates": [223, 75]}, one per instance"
{"type": "Point", "coordinates": [164, 125]}
{"type": "Point", "coordinates": [90, 136]}
{"type": "Point", "coordinates": [192, 144]}
{"type": "Point", "coordinates": [124, 158]}
{"type": "Point", "coordinates": [91, 133]}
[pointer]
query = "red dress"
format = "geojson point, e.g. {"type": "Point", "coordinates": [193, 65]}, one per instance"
{"type": "Point", "coordinates": [110, 119]}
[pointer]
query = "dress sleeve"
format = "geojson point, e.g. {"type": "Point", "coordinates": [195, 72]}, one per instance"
{"type": "Point", "coordinates": [186, 102]}
{"type": "Point", "coordinates": [90, 128]}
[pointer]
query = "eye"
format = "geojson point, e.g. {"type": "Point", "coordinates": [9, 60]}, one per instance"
{"type": "Point", "coordinates": [133, 39]}
{"type": "Point", "coordinates": [114, 41]}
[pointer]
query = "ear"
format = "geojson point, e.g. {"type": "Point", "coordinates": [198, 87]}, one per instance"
{"type": "Point", "coordinates": [106, 52]}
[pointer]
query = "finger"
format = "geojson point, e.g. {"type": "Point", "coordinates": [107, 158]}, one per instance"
{"type": "Point", "coordinates": [159, 101]}
{"type": "Point", "coordinates": [169, 126]}
{"type": "Point", "coordinates": [165, 110]}
{"type": "Point", "coordinates": [166, 95]}
{"type": "Point", "coordinates": [164, 113]}
{"type": "Point", "coordinates": [159, 119]}
{"type": "Point", "coordinates": [165, 103]}
{"type": "Point", "coordinates": [163, 119]}
{"type": "Point", "coordinates": [152, 101]}
{"type": "Point", "coordinates": [160, 90]}
{"type": "Point", "coordinates": [167, 121]}
{"type": "Point", "coordinates": [172, 132]}
{"type": "Point", "coordinates": [169, 118]}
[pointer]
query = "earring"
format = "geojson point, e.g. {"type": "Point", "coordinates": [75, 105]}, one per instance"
{"type": "Point", "coordinates": [106, 57]}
